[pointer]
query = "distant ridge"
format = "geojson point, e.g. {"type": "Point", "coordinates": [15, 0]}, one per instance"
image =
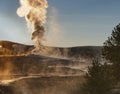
{"type": "Point", "coordinates": [68, 52]}
{"type": "Point", "coordinates": [9, 44]}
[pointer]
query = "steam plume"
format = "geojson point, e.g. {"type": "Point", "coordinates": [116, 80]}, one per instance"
{"type": "Point", "coordinates": [54, 35]}
{"type": "Point", "coordinates": [34, 12]}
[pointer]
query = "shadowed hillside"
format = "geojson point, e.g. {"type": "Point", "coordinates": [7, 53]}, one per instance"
{"type": "Point", "coordinates": [83, 52]}
{"type": "Point", "coordinates": [26, 70]}
{"type": "Point", "coordinates": [15, 66]}
{"type": "Point", "coordinates": [44, 85]}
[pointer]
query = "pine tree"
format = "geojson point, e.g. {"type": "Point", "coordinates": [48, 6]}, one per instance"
{"type": "Point", "coordinates": [98, 80]}
{"type": "Point", "coordinates": [111, 51]}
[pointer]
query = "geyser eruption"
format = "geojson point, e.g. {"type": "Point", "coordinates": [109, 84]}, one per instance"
{"type": "Point", "coordinates": [34, 12]}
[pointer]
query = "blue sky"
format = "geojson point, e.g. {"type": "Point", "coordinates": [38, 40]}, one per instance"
{"type": "Point", "coordinates": [81, 22]}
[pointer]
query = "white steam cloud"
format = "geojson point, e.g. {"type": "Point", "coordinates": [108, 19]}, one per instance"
{"type": "Point", "coordinates": [34, 12]}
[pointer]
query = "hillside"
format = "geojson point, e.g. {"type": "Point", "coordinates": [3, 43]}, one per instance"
{"type": "Point", "coordinates": [86, 52]}
{"type": "Point", "coordinates": [26, 70]}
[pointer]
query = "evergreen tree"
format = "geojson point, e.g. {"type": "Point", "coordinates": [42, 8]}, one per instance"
{"type": "Point", "coordinates": [98, 80]}
{"type": "Point", "coordinates": [111, 51]}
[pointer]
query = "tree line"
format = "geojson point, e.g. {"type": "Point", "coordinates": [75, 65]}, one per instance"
{"type": "Point", "coordinates": [104, 78]}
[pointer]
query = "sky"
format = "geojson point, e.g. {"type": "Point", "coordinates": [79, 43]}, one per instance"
{"type": "Point", "coordinates": [75, 22]}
